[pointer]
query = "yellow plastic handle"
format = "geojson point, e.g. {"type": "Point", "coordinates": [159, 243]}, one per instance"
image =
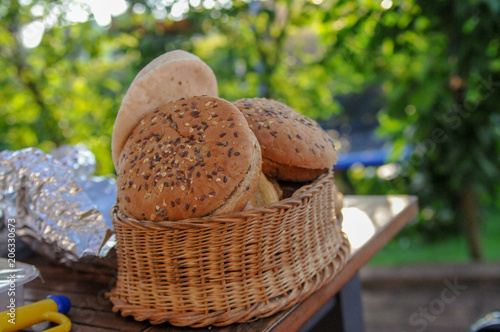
{"type": "Point", "coordinates": [34, 313]}
{"type": "Point", "coordinates": [58, 318]}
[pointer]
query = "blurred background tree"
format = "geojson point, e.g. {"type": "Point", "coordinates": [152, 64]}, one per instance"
{"type": "Point", "coordinates": [433, 65]}
{"type": "Point", "coordinates": [438, 63]}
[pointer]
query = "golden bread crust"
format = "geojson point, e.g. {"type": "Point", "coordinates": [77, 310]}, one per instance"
{"type": "Point", "coordinates": [288, 138]}
{"type": "Point", "coordinates": [187, 159]}
{"type": "Point", "coordinates": [282, 172]}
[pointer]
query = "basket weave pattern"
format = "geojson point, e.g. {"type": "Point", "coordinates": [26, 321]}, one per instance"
{"type": "Point", "coordinates": [232, 268]}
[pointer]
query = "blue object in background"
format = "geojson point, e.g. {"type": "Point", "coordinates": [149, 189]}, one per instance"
{"type": "Point", "coordinates": [366, 158]}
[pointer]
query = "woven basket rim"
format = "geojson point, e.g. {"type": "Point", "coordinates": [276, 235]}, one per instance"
{"type": "Point", "coordinates": [300, 194]}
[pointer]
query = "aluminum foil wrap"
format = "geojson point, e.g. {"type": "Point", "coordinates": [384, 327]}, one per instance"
{"type": "Point", "coordinates": [61, 210]}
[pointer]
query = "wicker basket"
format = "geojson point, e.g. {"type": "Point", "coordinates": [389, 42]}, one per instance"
{"type": "Point", "coordinates": [229, 268]}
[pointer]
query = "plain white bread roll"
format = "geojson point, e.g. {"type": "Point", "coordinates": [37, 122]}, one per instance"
{"type": "Point", "coordinates": [165, 57]}
{"type": "Point", "coordinates": [171, 76]}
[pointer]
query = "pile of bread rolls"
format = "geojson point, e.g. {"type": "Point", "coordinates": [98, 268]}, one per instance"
{"type": "Point", "coordinates": [182, 152]}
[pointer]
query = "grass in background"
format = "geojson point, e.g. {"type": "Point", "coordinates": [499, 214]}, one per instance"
{"type": "Point", "coordinates": [405, 250]}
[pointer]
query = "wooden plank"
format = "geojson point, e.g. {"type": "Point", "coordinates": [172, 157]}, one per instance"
{"type": "Point", "coordinates": [86, 328]}
{"type": "Point", "coordinates": [91, 328]}
{"type": "Point", "coordinates": [65, 280]}
{"type": "Point", "coordinates": [246, 327]}
{"type": "Point", "coordinates": [107, 320]}
{"type": "Point", "coordinates": [97, 302]}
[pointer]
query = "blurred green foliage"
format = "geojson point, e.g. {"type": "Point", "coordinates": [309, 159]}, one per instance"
{"type": "Point", "coordinates": [437, 62]}
{"type": "Point", "coordinates": [68, 88]}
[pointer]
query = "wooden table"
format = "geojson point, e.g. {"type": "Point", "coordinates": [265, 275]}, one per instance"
{"type": "Point", "coordinates": [369, 222]}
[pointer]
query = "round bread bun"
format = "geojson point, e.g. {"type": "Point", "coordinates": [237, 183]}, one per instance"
{"type": "Point", "coordinates": [188, 158]}
{"type": "Point", "coordinates": [294, 147]}
{"type": "Point", "coordinates": [173, 75]}
{"type": "Point", "coordinates": [266, 193]}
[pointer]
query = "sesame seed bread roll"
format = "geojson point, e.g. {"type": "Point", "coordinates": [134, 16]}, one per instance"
{"type": "Point", "coordinates": [171, 76]}
{"type": "Point", "coordinates": [188, 158]}
{"type": "Point", "coordinates": [294, 147]}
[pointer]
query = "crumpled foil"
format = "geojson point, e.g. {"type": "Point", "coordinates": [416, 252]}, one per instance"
{"type": "Point", "coordinates": [61, 210]}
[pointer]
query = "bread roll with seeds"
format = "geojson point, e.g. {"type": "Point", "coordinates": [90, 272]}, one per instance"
{"type": "Point", "coordinates": [294, 147]}
{"type": "Point", "coordinates": [171, 76]}
{"type": "Point", "coordinates": [189, 158]}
